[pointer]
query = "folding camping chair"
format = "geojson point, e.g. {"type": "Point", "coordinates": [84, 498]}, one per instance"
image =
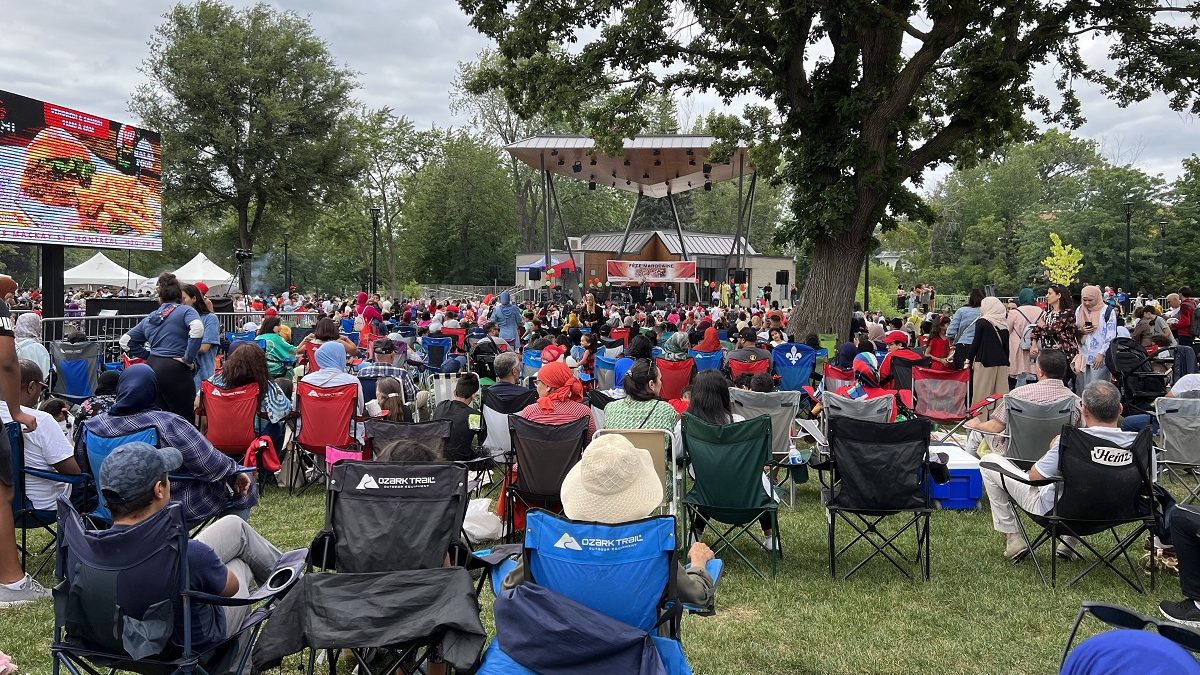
{"type": "Point", "coordinates": [737, 367]}
{"type": "Point", "coordinates": [1030, 427]}
{"type": "Point", "coordinates": [544, 454]}
{"type": "Point", "coordinates": [441, 387]}
{"type": "Point", "coordinates": [388, 441]}
{"type": "Point", "coordinates": [829, 342]}
{"type": "Point", "coordinates": [878, 470]}
{"type": "Point", "coordinates": [76, 367]}
{"type": "Point", "coordinates": [794, 364]}
{"type": "Point", "coordinates": [902, 372]}
{"type": "Point", "coordinates": [325, 417]}
{"type": "Point", "coordinates": [1179, 421]}
{"type": "Point", "coordinates": [781, 407]}
{"type": "Point", "coordinates": [230, 416]}
{"type": "Point", "coordinates": [940, 396]}
{"type": "Point", "coordinates": [136, 577]}
{"type": "Point", "coordinates": [493, 429]}
{"type": "Point", "coordinates": [605, 372]}
{"type": "Point", "coordinates": [1128, 362]}
{"type": "Point", "coordinates": [674, 377]}
{"type": "Point", "coordinates": [25, 516]}
{"type": "Point", "coordinates": [574, 561]}
{"type": "Point", "coordinates": [728, 486]}
{"type": "Point", "coordinates": [531, 363]}
{"type": "Point", "coordinates": [459, 335]}
{"type": "Point", "coordinates": [98, 448]}
{"type": "Point", "coordinates": [437, 352]}
{"type": "Point", "coordinates": [707, 360]}
{"type": "Point", "coordinates": [1123, 618]}
{"type": "Point", "coordinates": [621, 334]}
{"type": "Point", "coordinates": [1100, 489]}
{"type": "Point", "coordinates": [662, 453]}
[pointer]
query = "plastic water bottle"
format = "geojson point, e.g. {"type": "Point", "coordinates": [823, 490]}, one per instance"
{"type": "Point", "coordinates": [794, 456]}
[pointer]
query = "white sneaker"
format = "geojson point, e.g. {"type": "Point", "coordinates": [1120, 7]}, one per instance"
{"type": "Point", "coordinates": [30, 591]}
{"type": "Point", "coordinates": [769, 544]}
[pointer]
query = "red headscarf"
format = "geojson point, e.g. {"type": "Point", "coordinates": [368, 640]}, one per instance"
{"type": "Point", "coordinates": [360, 302]}
{"type": "Point", "coordinates": [711, 341]}
{"type": "Point", "coordinates": [565, 386]}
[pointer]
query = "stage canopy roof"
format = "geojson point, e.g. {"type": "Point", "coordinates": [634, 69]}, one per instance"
{"type": "Point", "coordinates": [654, 166]}
{"type": "Point", "coordinates": [100, 271]}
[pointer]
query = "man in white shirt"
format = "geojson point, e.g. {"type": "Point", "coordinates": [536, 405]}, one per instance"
{"type": "Point", "coordinates": [1100, 411]}
{"type": "Point", "coordinates": [46, 447]}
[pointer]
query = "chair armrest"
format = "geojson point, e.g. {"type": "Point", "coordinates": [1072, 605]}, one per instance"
{"type": "Point", "coordinates": [1018, 477]}
{"type": "Point", "coordinates": [68, 478]}
{"type": "Point", "coordinates": [976, 409]}
{"type": "Point", "coordinates": [714, 568]}
{"type": "Point", "coordinates": [287, 571]}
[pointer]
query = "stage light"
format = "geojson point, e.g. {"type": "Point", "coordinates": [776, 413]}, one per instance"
{"type": "Point", "coordinates": [577, 166]}
{"type": "Point", "coordinates": [708, 168]}
{"type": "Point", "coordinates": [708, 186]}
{"type": "Point", "coordinates": [691, 162]}
{"type": "Point", "coordinates": [628, 182]}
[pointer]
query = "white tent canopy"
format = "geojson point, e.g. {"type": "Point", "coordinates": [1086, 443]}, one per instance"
{"type": "Point", "coordinates": [100, 271]}
{"type": "Point", "coordinates": [201, 268]}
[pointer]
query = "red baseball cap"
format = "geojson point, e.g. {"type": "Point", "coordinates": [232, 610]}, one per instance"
{"type": "Point", "coordinates": [270, 312]}
{"type": "Point", "coordinates": [898, 336]}
{"type": "Point", "coordinates": [202, 287]}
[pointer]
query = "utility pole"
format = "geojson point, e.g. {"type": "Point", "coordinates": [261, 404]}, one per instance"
{"type": "Point", "coordinates": [375, 211]}
{"type": "Point", "coordinates": [1128, 245]}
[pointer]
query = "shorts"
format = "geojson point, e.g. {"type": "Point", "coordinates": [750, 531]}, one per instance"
{"type": "Point", "coordinates": [6, 477]}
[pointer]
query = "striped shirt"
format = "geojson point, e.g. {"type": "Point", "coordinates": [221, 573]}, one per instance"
{"type": "Point", "coordinates": [563, 412]}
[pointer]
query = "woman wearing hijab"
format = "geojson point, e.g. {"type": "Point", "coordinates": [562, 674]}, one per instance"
{"type": "Point", "coordinates": [169, 339]}
{"type": "Point", "coordinates": [676, 347]}
{"type": "Point", "coordinates": [369, 314]}
{"type": "Point", "coordinates": [845, 356]}
{"type": "Point", "coordinates": [875, 335]}
{"type": "Point", "coordinates": [28, 332]}
{"type": "Point", "coordinates": [1097, 323]}
{"type": "Point", "coordinates": [331, 364]}
{"type": "Point", "coordinates": [560, 398]}
{"type": "Point", "coordinates": [1026, 313]}
{"type": "Point", "coordinates": [216, 488]}
{"type": "Point", "coordinates": [988, 352]}
{"type": "Point", "coordinates": [508, 320]}
{"type": "Point", "coordinates": [711, 342]}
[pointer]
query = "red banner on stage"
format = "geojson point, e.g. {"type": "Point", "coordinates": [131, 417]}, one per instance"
{"type": "Point", "coordinates": [649, 270]}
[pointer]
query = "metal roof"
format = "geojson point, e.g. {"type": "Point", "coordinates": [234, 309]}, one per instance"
{"type": "Point", "coordinates": [698, 243]}
{"type": "Point", "coordinates": [654, 166]}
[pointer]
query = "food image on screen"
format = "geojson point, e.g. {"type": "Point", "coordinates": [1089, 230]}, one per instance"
{"type": "Point", "coordinates": [73, 179]}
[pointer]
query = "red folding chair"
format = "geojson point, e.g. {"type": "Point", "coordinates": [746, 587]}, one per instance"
{"type": "Point", "coordinates": [941, 396]}
{"type": "Point", "coordinates": [230, 414]}
{"type": "Point", "coordinates": [459, 335]}
{"type": "Point", "coordinates": [621, 334]}
{"type": "Point", "coordinates": [736, 368]}
{"type": "Point", "coordinates": [673, 377]}
{"type": "Point", "coordinates": [309, 350]}
{"type": "Point", "coordinates": [325, 416]}
{"type": "Point", "coordinates": [832, 379]}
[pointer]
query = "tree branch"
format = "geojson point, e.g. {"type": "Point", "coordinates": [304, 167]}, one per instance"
{"type": "Point", "coordinates": [908, 27]}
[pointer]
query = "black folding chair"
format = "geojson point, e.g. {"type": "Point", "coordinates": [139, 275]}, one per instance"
{"type": "Point", "coordinates": [1101, 488]}
{"type": "Point", "coordinates": [1120, 617]}
{"type": "Point", "coordinates": [878, 470]}
{"type": "Point", "coordinates": [389, 440]}
{"type": "Point", "coordinates": [100, 622]}
{"type": "Point", "coordinates": [544, 453]}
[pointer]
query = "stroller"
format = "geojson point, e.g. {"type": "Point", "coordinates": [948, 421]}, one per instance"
{"type": "Point", "coordinates": [1128, 361]}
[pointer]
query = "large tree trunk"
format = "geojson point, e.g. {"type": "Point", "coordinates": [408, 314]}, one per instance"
{"type": "Point", "coordinates": [828, 291]}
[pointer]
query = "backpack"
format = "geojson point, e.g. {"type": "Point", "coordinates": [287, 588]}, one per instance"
{"type": "Point", "coordinates": [359, 322]}
{"type": "Point", "coordinates": [1027, 332]}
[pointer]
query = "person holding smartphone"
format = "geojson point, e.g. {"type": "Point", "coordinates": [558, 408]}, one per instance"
{"type": "Point", "coordinates": [1098, 323]}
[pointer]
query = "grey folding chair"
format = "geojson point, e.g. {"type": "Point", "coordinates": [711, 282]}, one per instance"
{"type": "Point", "coordinates": [879, 409]}
{"type": "Point", "coordinates": [1179, 420]}
{"type": "Point", "coordinates": [781, 407]}
{"type": "Point", "coordinates": [1031, 427]}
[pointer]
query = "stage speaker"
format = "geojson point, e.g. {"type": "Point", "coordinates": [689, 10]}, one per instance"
{"type": "Point", "coordinates": [739, 276]}
{"type": "Point", "coordinates": [781, 278]}
{"type": "Point", "coordinates": [535, 275]}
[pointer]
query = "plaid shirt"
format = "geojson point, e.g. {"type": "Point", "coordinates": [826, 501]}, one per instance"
{"type": "Point", "coordinates": [378, 370]}
{"type": "Point", "coordinates": [205, 496]}
{"type": "Point", "coordinates": [1048, 390]}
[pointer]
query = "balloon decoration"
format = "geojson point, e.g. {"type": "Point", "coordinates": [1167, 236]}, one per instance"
{"type": "Point", "coordinates": [581, 285]}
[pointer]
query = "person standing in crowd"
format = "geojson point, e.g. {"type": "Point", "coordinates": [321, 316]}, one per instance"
{"type": "Point", "coordinates": [1185, 310]}
{"type": "Point", "coordinates": [508, 320]}
{"type": "Point", "coordinates": [1097, 324]}
{"type": "Point", "coordinates": [962, 327]}
{"type": "Point", "coordinates": [367, 321]}
{"type": "Point", "coordinates": [174, 333]}
{"type": "Point", "coordinates": [206, 360]}
{"type": "Point", "coordinates": [29, 341]}
{"type": "Point", "coordinates": [988, 353]}
{"type": "Point", "coordinates": [1023, 314]}
{"type": "Point", "coordinates": [1056, 328]}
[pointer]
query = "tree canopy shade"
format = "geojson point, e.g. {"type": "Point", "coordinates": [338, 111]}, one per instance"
{"type": "Point", "coordinates": [866, 95]}
{"type": "Point", "coordinates": [252, 110]}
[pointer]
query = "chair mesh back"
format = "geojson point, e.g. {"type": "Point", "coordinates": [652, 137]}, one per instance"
{"type": "Point", "coordinates": [494, 418]}
{"type": "Point", "coordinates": [1179, 419]}
{"type": "Point", "coordinates": [794, 363]}
{"type": "Point", "coordinates": [780, 406]}
{"type": "Point", "coordinates": [621, 570]}
{"type": "Point", "coordinates": [727, 461]}
{"type": "Point", "coordinates": [325, 414]}
{"type": "Point", "coordinates": [605, 372]}
{"type": "Point", "coordinates": [879, 467]}
{"type": "Point", "coordinates": [100, 447]}
{"type": "Point", "coordinates": [546, 452]}
{"type": "Point", "coordinates": [443, 386]}
{"type": "Point", "coordinates": [879, 409]}
{"type": "Point", "coordinates": [1032, 426]}
{"type": "Point", "coordinates": [708, 360]}
{"type": "Point", "coordinates": [653, 441]}
{"type": "Point", "coordinates": [231, 414]}
{"type": "Point", "coordinates": [394, 441]}
{"type": "Point", "coordinates": [437, 349]}
{"type": "Point", "coordinates": [118, 590]}
{"type": "Point", "coordinates": [531, 363]}
{"type": "Point", "coordinates": [941, 395]}
{"type": "Point", "coordinates": [78, 368]}
{"type": "Point", "coordinates": [390, 516]}
{"type": "Point", "coordinates": [674, 377]}
{"type": "Point", "coordinates": [1102, 481]}
{"type": "Point", "coordinates": [902, 371]}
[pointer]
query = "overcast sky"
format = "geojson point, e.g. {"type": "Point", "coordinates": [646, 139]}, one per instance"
{"type": "Point", "coordinates": [86, 55]}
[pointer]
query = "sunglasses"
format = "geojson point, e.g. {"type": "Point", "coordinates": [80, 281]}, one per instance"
{"type": "Point", "coordinates": [1120, 617]}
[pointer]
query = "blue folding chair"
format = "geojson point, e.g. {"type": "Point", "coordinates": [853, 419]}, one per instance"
{"type": "Point", "coordinates": [577, 352]}
{"type": "Point", "coordinates": [76, 367]}
{"type": "Point", "coordinates": [605, 372]}
{"type": "Point", "coordinates": [622, 366]}
{"type": "Point", "coordinates": [406, 330]}
{"type": "Point", "coordinates": [233, 339]}
{"type": "Point", "coordinates": [707, 360]}
{"type": "Point", "coordinates": [347, 326]}
{"type": "Point", "coordinates": [25, 516]}
{"type": "Point", "coordinates": [531, 363]}
{"type": "Point", "coordinates": [437, 351]}
{"type": "Point", "coordinates": [794, 363]}
{"type": "Point", "coordinates": [98, 449]}
{"type": "Point", "coordinates": [623, 571]}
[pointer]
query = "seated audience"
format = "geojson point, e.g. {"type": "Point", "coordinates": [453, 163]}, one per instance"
{"type": "Point", "coordinates": [641, 408]}
{"type": "Point", "coordinates": [46, 447]}
{"type": "Point", "coordinates": [218, 487]}
{"type": "Point", "coordinates": [224, 559]}
{"type": "Point", "coordinates": [247, 364]}
{"type": "Point", "coordinates": [279, 352]}
{"type": "Point", "coordinates": [560, 398]}
{"type": "Point", "coordinates": [28, 331]}
{"type": "Point", "coordinates": [60, 410]}
{"type": "Point", "coordinates": [331, 362]}
{"type": "Point", "coordinates": [762, 382]}
{"type": "Point", "coordinates": [897, 348]}
{"type": "Point", "coordinates": [101, 400]}
{"type": "Point", "coordinates": [1100, 412]}
{"type": "Point", "coordinates": [327, 330]}
{"type": "Point", "coordinates": [459, 410]}
{"type": "Point", "coordinates": [508, 372]}
{"type": "Point", "coordinates": [1051, 369]}
{"type": "Point", "coordinates": [385, 366]}
{"type": "Point", "coordinates": [388, 403]}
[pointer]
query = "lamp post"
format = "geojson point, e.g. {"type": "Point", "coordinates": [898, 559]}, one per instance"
{"type": "Point", "coordinates": [287, 272]}
{"type": "Point", "coordinates": [1128, 217]}
{"type": "Point", "coordinates": [375, 211]}
{"type": "Point", "coordinates": [1162, 239]}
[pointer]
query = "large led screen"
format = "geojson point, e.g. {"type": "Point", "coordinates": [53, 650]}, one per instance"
{"type": "Point", "coordinates": [73, 179]}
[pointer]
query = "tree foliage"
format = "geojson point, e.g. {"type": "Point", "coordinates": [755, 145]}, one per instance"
{"type": "Point", "coordinates": [1063, 263]}
{"type": "Point", "coordinates": [866, 95]}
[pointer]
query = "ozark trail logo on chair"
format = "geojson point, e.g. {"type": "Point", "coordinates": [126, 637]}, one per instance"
{"type": "Point", "coordinates": [367, 483]}
{"type": "Point", "coordinates": [567, 541]}
{"type": "Point", "coordinates": [1112, 456]}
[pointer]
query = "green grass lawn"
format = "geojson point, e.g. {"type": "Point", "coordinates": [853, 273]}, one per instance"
{"type": "Point", "coordinates": [978, 614]}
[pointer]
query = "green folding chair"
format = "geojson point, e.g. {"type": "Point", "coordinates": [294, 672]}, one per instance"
{"type": "Point", "coordinates": [727, 463]}
{"type": "Point", "coordinates": [829, 341]}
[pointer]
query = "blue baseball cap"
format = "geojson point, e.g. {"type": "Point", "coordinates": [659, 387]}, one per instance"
{"type": "Point", "coordinates": [132, 470]}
